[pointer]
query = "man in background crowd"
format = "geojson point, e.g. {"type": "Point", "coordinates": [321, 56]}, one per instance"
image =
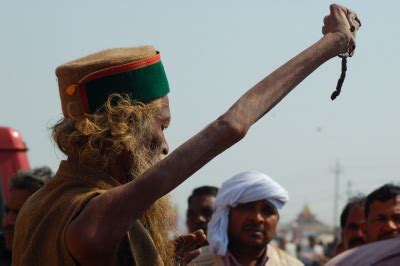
{"type": "Point", "coordinates": [352, 223]}
{"type": "Point", "coordinates": [382, 214]}
{"type": "Point", "coordinates": [201, 205]}
{"type": "Point", "coordinates": [22, 186]}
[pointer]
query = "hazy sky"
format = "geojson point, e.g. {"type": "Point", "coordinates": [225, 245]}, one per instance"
{"type": "Point", "coordinates": [213, 51]}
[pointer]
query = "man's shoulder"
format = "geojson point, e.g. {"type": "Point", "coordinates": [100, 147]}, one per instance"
{"type": "Point", "coordinates": [386, 252]}
{"type": "Point", "coordinates": [43, 219]}
{"type": "Point", "coordinates": [277, 257]}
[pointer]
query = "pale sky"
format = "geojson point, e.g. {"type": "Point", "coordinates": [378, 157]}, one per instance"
{"type": "Point", "coordinates": [213, 51]}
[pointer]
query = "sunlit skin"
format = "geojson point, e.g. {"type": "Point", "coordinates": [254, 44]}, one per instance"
{"type": "Point", "coordinates": [161, 123]}
{"type": "Point", "coordinates": [252, 226]}
{"type": "Point", "coordinates": [353, 232]}
{"type": "Point", "coordinates": [158, 141]}
{"type": "Point", "coordinates": [199, 212]}
{"type": "Point", "coordinates": [16, 198]}
{"type": "Point", "coordinates": [383, 221]}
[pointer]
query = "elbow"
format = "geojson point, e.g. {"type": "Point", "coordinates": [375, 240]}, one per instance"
{"type": "Point", "coordinates": [232, 129]}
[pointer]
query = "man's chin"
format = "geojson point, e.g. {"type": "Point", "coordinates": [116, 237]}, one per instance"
{"type": "Point", "coordinates": [388, 236]}
{"type": "Point", "coordinates": [356, 242]}
{"type": "Point", "coordinates": [256, 240]}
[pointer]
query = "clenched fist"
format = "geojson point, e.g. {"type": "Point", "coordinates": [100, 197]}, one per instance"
{"type": "Point", "coordinates": [345, 21]}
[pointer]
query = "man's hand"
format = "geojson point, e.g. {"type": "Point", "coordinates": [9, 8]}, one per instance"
{"type": "Point", "coordinates": [342, 20]}
{"type": "Point", "coordinates": [187, 247]}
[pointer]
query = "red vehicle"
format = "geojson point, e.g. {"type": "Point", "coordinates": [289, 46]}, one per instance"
{"type": "Point", "coordinates": [13, 158]}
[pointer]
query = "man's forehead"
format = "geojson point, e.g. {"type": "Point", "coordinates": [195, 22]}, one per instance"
{"type": "Point", "coordinates": [262, 201]}
{"type": "Point", "coordinates": [383, 206]}
{"type": "Point", "coordinates": [165, 111]}
{"type": "Point", "coordinates": [356, 211]}
{"type": "Point", "coordinates": [202, 199]}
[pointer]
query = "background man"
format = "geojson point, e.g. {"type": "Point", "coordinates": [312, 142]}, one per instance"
{"type": "Point", "coordinates": [245, 221]}
{"type": "Point", "coordinates": [106, 201]}
{"type": "Point", "coordinates": [382, 212]}
{"type": "Point", "coordinates": [201, 205]}
{"type": "Point", "coordinates": [22, 186]}
{"type": "Point", "coordinates": [352, 223]}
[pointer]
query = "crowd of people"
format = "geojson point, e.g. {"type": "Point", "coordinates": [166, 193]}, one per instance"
{"type": "Point", "coordinates": [240, 221]}
{"type": "Point", "coordinates": [107, 204]}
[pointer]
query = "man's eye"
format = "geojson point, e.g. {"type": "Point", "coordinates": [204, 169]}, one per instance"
{"type": "Point", "coordinates": [380, 219]}
{"type": "Point", "coordinates": [208, 213]}
{"type": "Point", "coordinates": [268, 211]}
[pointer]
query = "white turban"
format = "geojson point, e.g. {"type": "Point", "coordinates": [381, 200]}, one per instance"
{"type": "Point", "coordinates": [241, 188]}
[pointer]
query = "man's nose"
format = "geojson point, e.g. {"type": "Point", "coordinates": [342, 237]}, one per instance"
{"type": "Point", "coordinates": [391, 225]}
{"type": "Point", "coordinates": [257, 217]}
{"type": "Point", "coordinates": [165, 148]}
{"type": "Point", "coordinates": [361, 233]}
{"type": "Point", "coordinates": [201, 219]}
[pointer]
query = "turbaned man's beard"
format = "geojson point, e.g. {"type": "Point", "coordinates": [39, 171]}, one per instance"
{"type": "Point", "coordinates": [158, 219]}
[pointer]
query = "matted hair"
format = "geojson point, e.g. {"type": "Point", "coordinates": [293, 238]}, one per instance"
{"type": "Point", "coordinates": [96, 140]}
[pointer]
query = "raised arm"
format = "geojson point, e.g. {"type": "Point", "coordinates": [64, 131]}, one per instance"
{"type": "Point", "coordinates": [116, 209]}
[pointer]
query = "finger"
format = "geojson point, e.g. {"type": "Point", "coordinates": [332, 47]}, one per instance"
{"type": "Point", "coordinates": [324, 30]}
{"type": "Point", "coordinates": [332, 8]}
{"type": "Point", "coordinates": [189, 256]}
{"type": "Point", "coordinates": [196, 243]}
{"type": "Point", "coordinates": [326, 20]}
{"type": "Point", "coordinates": [358, 21]}
{"type": "Point", "coordinates": [355, 23]}
{"type": "Point", "coordinates": [182, 242]}
{"type": "Point", "coordinates": [200, 238]}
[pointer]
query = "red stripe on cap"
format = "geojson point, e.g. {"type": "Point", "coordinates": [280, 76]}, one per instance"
{"type": "Point", "coordinates": [121, 68]}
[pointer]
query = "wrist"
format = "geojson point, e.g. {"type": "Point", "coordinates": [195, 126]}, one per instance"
{"type": "Point", "coordinates": [339, 42]}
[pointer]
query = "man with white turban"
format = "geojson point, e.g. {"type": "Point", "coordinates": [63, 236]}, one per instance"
{"type": "Point", "coordinates": [244, 223]}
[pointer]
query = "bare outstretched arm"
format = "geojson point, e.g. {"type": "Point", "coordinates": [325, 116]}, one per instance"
{"type": "Point", "coordinates": [110, 215]}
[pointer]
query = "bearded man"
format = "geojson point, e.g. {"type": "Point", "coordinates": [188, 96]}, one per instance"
{"type": "Point", "coordinates": [105, 206]}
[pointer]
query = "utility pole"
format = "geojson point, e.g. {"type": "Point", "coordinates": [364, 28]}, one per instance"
{"type": "Point", "coordinates": [337, 171]}
{"type": "Point", "coordinates": [349, 193]}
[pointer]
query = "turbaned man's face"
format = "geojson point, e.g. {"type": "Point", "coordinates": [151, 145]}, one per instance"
{"type": "Point", "coordinates": [252, 224]}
